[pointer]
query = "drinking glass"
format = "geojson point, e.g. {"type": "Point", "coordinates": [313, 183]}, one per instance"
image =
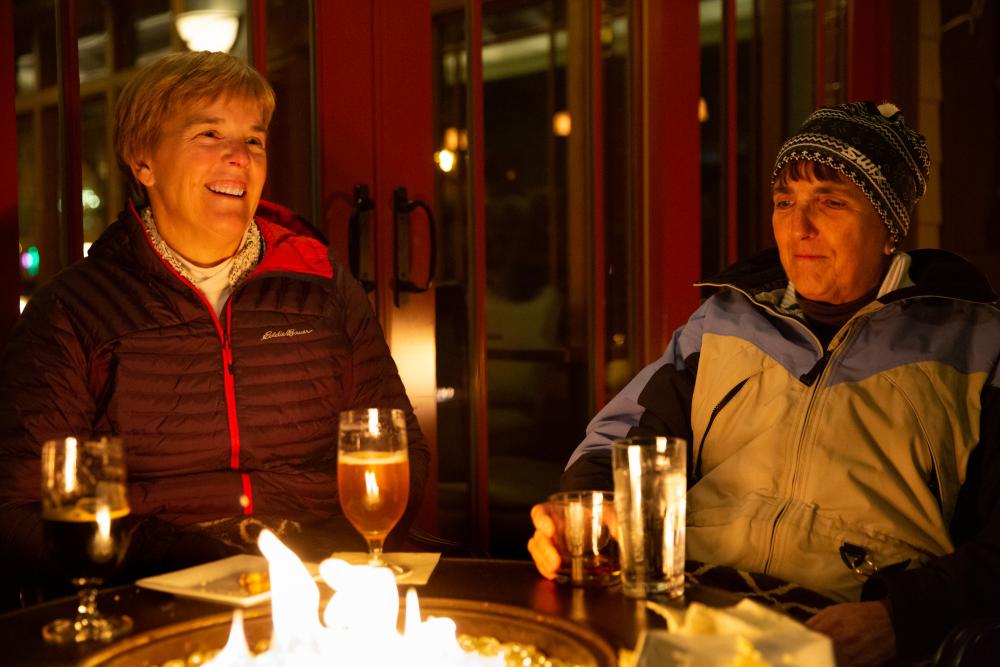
{"type": "Point", "coordinates": [650, 502]}
{"type": "Point", "coordinates": [585, 524]}
{"type": "Point", "coordinates": [84, 505]}
{"type": "Point", "coordinates": [373, 475]}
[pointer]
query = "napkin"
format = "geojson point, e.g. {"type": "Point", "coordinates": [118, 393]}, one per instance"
{"type": "Point", "coordinates": [421, 564]}
{"type": "Point", "coordinates": [745, 635]}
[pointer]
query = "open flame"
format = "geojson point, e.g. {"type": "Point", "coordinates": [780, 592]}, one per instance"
{"type": "Point", "coordinates": [358, 626]}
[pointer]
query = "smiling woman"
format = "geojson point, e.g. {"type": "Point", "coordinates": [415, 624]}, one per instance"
{"type": "Point", "coordinates": [200, 158]}
{"type": "Point", "coordinates": [204, 177]}
{"type": "Point", "coordinates": [210, 330]}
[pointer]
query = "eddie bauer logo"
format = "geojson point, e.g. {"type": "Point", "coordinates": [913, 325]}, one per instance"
{"type": "Point", "coordinates": [287, 333]}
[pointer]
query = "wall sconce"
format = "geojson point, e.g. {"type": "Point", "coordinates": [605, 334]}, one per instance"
{"type": "Point", "coordinates": [208, 29]}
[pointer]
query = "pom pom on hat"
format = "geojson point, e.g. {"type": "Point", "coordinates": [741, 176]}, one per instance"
{"type": "Point", "coordinates": [888, 109]}
{"type": "Point", "coordinates": [874, 148]}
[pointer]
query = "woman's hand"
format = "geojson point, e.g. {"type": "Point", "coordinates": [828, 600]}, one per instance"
{"type": "Point", "coordinates": [540, 546]}
{"type": "Point", "coordinates": [862, 632]}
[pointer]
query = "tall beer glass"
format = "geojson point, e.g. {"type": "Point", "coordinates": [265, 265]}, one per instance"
{"type": "Point", "coordinates": [373, 475]}
{"type": "Point", "coordinates": [84, 504]}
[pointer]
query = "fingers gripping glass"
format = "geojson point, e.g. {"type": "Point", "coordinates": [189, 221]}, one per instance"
{"type": "Point", "coordinates": [373, 475]}
{"type": "Point", "coordinates": [84, 505]}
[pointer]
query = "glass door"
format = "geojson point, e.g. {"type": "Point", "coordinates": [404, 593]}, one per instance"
{"type": "Point", "coordinates": [534, 326]}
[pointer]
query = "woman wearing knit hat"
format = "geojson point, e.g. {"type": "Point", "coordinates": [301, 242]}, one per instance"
{"type": "Point", "coordinates": [841, 401]}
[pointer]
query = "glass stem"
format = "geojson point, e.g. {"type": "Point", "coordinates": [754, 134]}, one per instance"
{"type": "Point", "coordinates": [375, 551]}
{"type": "Point", "coordinates": [87, 607]}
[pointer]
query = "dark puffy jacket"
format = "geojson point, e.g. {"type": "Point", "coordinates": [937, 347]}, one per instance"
{"type": "Point", "coordinates": [212, 410]}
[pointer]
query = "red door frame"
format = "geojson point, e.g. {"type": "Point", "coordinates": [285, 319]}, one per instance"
{"type": "Point", "coordinates": [666, 54]}
{"type": "Point", "coordinates": [869, 59]}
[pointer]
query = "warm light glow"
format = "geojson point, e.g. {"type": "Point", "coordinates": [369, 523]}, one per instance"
{"type": "Point", "coordinates": [102, 546]}
{"type": "Point", "coordinates": [562, 123]}
{"type": "Point", "coordinates": [208, 29]}
{"type": "Point", "coordinates": [86, 248]}
{"type": "Point", "coordinates": [373, 421]}
{"type": "Point", "coordinates": [24, 302]}
{"type": "Point", "coordinates": [596, 522]}
{"type": "Point", "coordinates": [451, 139]}
{"type": "Point", "coordinates": [371, 484]}
{"type": "Point", "coordinates": [69, 466]}
{"type": "Point", "coordinates": [445, 160]}
{"type": "Point", "coordinates": [91, 199]}
{"type": "Point", "coordinates": [235, 653]}
{"type": "Point", "coordinates": [358, 626]}
{"type": "Point", "coordinates": [103, 520]}
{"type": "Point", "coordinates": [702, 110]}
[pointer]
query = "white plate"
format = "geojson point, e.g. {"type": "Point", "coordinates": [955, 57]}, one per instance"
{"type": "Point", "coordinates": [218, 581]}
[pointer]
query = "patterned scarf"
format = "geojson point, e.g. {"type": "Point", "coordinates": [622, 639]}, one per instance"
{"type": "Point", "coordinates": [244, 261]}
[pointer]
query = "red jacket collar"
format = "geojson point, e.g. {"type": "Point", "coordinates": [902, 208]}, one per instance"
{"type": "Point", "coordinates": [290, 243]}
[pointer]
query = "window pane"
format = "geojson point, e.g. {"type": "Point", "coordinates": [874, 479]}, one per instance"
{"type": "Point", "coordinates": [34, 44]}
{"type": "Point", "coordinates": [619, 338]}
{"type": "Point", "coordinates": [289, 145]}
{"type": "Point", "coordinates": [712, 121]}
{"type": "Point", "coordinates": [92, 41]}
{"type": "Point", "coordinates": [27, 196]}
{"type": "Point", "coordinates": [455, 402]}
{"type": "Point", "coordinates": [152, 25]}
{"type": "Point", "coordinates": [96, 167]}
{"type": "Point", "coordinates": [800, 37]}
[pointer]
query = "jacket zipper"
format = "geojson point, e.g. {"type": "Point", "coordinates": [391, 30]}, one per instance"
{"type": "Point", "coordinates": [229, 380]}
{"type": "Point", "coordinates": [246, 499]}
{"type": "Point", "coordinates": [825, 364]}
{"type": "Point", "coordinates": [696, 473]}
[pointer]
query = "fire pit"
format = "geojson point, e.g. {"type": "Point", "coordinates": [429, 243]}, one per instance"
{"type": "Point", "coordinates": [178, 644]}
{"type": "Point", "coordinates": [359, 624]}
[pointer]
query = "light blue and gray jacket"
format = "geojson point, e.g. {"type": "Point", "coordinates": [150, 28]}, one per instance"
{"type": "Point", "coordinates": [880, 449]}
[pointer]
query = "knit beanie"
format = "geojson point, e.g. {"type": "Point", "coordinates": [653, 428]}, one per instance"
{"type": "Point", "coordinates": [874, 148]}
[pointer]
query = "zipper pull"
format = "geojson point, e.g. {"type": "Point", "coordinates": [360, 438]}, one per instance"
{"type": "Point", "coordinates": [227, 352]}
{"type": "Point", "coordinates": [809, 377]}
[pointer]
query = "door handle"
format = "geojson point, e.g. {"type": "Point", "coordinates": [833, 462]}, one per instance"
{"type": "Point", "coordinates": [359, 239]}
{"type": "Point", "coordinates": [402, 207]}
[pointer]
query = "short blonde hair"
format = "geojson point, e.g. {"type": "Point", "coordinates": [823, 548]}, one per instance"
{"type": "Point", "coordinates": [167, 85]}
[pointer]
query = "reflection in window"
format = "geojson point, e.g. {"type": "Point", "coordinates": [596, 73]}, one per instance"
{"type": "Point", "coordinates": [538, 280]}
{"type": "Point", "coordinates": [92, 41]}
{"type": "Point", "coordinates": [26, 198]}
{"type": "Point", "coordinates": [715, 253]}
{"type": "Point", "coordinates": [152, 26]}
{"type": "Point", "coordinates": [96, 167]}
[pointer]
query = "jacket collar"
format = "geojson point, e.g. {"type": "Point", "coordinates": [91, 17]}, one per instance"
{"type": "Point", "coordinates": [918, 273]}
{"type": "Point", "coordinates": [291, 245]}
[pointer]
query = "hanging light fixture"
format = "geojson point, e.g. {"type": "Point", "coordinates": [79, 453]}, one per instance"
{"type": "Point", "coordinates": [208, 29]}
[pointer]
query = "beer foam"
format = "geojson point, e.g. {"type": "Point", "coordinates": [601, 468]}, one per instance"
{"type": "Point", "coordinates": [372, 458]}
